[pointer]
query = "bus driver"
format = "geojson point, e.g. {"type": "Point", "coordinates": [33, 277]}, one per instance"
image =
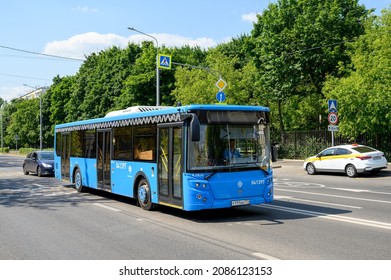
{"type": "Point", "coordinates": [231, 153]}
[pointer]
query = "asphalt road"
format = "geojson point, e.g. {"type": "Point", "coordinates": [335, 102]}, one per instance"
{"type": "Point", "coordinates": [316, 217]}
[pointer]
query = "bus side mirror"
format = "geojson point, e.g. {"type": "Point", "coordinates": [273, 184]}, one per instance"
{"type": "Point", "coordinates": [195, 129]}
{"type": "Point", "coordinates": [194, 126]}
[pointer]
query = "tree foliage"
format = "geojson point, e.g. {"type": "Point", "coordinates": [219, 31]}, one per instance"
{"type": "Point", "coordinates": [23, 125]}
{"type": "Point", "coordinates": [364, 94]}
{"type": "Point", "coordinates": [299, 42]}
{"type": "Point", "coordinates": [299, 54]}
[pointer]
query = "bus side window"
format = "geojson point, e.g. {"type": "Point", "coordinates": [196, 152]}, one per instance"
{"type": "Point", "coordinates": [136, 152]}
{"type": "Point", "coordinates": [144, 142]}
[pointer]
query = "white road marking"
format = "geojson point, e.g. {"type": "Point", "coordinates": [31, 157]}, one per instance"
{"type": "Point", "coordinates": [265, 256]}
{"type": "Point", "coordinates": [361, 222]}
{"type": "Point", "coordinates": [315, 201]}
{"type": "Point", "coordinates": [359, 190]}
{"type": "Point", "coordinates": [296, 184]}
{"type": "Point", "coordinates": [339, 196]}
{"type": "Point", "coordinates": [107, 207]}
{"type": "Point", "coordinates": [350, 190]}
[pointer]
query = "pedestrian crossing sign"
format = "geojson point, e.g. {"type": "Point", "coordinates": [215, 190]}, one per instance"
{"type": "Point", "coordinates": [333, 106]}
{"type": "Point", "coordinates": [164, 61]}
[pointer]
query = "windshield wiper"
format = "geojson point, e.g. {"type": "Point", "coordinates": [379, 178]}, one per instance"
{"type": "Point", "coordinates": [214, 173]}
{"type": "Point", "coordinates": [233, 166]}
{"type": "Point", "coordinates": [255, 163]}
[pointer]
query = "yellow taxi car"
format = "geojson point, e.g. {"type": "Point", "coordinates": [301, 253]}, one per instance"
{"type": "Point", "coordinates": [350, 159]}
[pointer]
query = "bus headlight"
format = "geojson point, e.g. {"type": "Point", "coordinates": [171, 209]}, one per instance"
{"type": "Point", "coordinates": [200, 197]}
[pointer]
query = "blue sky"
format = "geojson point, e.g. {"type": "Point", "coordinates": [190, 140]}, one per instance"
{"type": "Point", "coordinates": [74, 28]}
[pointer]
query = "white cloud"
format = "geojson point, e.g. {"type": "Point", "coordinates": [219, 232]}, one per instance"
{"type": "Point", "coordinates": [8, 92]}
{"type": "Point", "coordinates": [251, 17]}
{"type": "Point", "coordinates": [84, 44]}
{"type": "Point", "coordinates": [173, 40]}
{"type": "Point", "coordinates": [86, 9]}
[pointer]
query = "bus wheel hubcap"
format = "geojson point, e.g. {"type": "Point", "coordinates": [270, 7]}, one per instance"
{"type": "Point", "coordinates": [142, 193]}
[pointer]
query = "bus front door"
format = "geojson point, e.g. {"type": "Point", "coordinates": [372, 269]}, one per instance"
{"type": "Point", "coordinates": [170, 165]}
{"type": "Point", "coordinates": [65, 155]}
{"type": "Point", "coordinates": [104, 160]}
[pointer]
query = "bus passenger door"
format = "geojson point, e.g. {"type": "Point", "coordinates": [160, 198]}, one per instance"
{"type": "Point", "coordinates": [65, 155]}
{"type": "Point", "coordinates": [170, 165]}
{"type": "Point", "coordinates": [104, 160]}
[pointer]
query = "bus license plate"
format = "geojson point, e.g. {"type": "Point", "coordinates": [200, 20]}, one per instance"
{"type": "Point", "coordinates": [240, 202]}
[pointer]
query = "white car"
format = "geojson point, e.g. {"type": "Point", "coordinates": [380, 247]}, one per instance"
{"type": "Point", "coordinates": [349, 159]}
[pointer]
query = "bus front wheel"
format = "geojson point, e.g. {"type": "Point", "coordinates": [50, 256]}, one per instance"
{"type": "Point", "coordinates": [144, 195]}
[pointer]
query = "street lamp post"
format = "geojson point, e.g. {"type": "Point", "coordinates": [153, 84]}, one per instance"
{"type": "Point", "coordinates": [2, 135]}
{"type": "Point", "coordinates": [40, 122]}
{"type": "Point", "coordinates": [40, 115]}
{"type": "Point", "coordinates": [157, 64]}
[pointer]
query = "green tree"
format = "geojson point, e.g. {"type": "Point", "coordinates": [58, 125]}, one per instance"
{"type": "Point", "coordinates": [102, 83]}
{"type": "Point", "coordinates": [24, 122]}
{"type": "Point", "coordinates": [183, 55]}
{"type": "Point", "coordinates": [299, 42]}
{"type": "Point", "coordinates": [364, 94]}
{"type": "Point", "coordinates": [197, 84]}
{"type": "Point", "coordinates": [59, 94]}
{"type": "Point", "coordinates": [140, 84]}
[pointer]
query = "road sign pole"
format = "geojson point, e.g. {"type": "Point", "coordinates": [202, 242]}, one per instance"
{"type": "Point", "coordinates": [333, 118]}
{"type": "Point", "coordinates": [332, 138]}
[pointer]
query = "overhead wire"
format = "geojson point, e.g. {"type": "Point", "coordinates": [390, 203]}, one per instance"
{"type": "Point", "coordinates": [46, 56]}
{"type": "Point", "coordinates": [42, 54]}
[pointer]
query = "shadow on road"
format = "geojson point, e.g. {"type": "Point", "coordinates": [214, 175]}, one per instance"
{"type": "Point", "coordinates": [267, 214]}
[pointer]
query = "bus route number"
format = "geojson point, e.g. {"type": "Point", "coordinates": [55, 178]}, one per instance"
{"type": "Point", "coordinates": [257, 182]}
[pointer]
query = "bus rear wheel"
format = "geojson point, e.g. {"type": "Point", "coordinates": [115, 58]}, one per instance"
{"type": "Point", "coordinates": [78, 181]}
{"type": "Point", "coordinates": [144, 195]}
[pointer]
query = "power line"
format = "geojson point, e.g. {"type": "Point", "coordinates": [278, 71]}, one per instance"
{"type": "Point", "coordinates": [42, 54]}
{"type": "Point", "coordinates": [24, 77]}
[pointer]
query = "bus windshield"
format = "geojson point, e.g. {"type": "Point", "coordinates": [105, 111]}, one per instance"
{"type": "Point", "coordinates": [226, 145]}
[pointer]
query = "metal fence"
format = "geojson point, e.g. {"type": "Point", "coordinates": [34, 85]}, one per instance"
{"type": "Point", "coordinates": [301, 144]}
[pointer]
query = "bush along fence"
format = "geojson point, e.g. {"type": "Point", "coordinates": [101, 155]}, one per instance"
{"type": "Point", "coordinates": [302, 144]}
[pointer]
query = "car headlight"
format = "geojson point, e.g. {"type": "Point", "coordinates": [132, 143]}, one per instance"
{"type": "Point", "coordinates": [46, 165]}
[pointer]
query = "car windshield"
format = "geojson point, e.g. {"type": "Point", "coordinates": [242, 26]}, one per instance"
{"type": "Point", "coordinates": [46, 156]}
{"type": "Point", "coordinates": [226, 145]}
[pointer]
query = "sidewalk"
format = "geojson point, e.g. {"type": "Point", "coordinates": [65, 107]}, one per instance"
{"type": "Point", "coordinates": [16, 154]}
{"type": "Point", "coordinates": [288, 163]}
{"type": "Point", "coordinates": [293, 163]}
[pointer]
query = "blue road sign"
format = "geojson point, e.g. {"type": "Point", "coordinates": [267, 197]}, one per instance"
{"type": "Point", "coordinates": [220, 96]}
{"type": "Point", "coordinates": [164, 61]}
{"type": "Point", "coordinates": [333, 106]}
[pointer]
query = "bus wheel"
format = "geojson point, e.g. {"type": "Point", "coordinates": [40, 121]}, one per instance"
{"type": "Point", "coordinates": [144, 195]}
{"type": "Point", "coordinates": [78, 181]}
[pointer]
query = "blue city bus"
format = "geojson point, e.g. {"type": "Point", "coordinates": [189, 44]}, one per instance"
{"type": "Point", "coordinates": [190, 157]}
